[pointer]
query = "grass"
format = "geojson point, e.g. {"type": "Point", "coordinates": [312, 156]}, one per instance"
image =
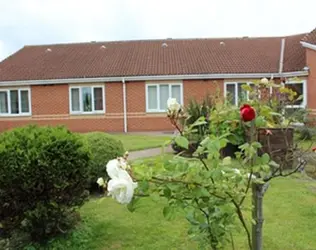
{"type": "Point", "coordinates": [139, 142]}
{"type": "Point", "coordinates": [289, 213]}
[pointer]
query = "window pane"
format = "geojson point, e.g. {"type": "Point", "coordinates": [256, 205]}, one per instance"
{"type": "Point", "coordinates": [152, 97]}
{"type": "Point", "coordinates": [242, 94]}
{"type": "Point", "coordinates": [25, 106]}
{"type": "Point", "coordinates": [230, 93]}
{"type": "Point", "coordinates": [164, 96]}
{"type": "Point", "coordinates": [298, 88]}
{"type": "Point", "coordinates": [87, 99]}
{"type": "Point", "coordinates": [98, 99]}
{"type": "Point", "coordinates": [176, 93]}
{"type": "Point", "coordinates": [14, 101]}
{"type": "Point", "coordinates": [75, 105]}
{"type": "Point", "coordinates": [3, 102]}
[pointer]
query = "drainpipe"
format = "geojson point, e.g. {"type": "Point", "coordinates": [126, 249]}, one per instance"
{"type": "Point", "coordinates": [124, 105]}
{"type": "Point", "coordinates": [281, 56]}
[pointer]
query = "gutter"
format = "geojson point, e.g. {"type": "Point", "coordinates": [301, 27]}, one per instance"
{"type": "Point", "coordinates": [152, 78]}
{"type": "Point", "coordinates": [124, 105]}
{"type": "Point", "coordinates": [308, 45]}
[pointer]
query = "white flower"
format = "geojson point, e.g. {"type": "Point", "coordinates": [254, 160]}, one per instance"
{"type": "Point", "coordinates": [173, 105]}
{"type": "Point", "coordinates": [121, 186]}
{"type": "Point", "coordinates": [264, 81]}
{"type": "Point", "coordinates": [101, 182]}
{"type": "Point", "coordinates": [112, 168]}
{"type": "Point", "coordinates": [237, 171]}
{"type": "Point", "coordinates": [252, 176]}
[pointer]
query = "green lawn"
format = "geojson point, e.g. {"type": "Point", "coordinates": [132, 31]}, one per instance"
{"type": "Point", "coordinates": [139, 142]}
{"type": "Point", "coordinates": [289, 209]}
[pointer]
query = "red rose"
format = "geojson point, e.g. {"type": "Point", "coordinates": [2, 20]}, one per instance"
{"type": "Point", "coordinates": [247, 113]}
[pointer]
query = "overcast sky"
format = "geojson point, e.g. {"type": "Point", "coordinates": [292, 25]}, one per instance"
{"type": "Point", "coordinates": [25, 22]}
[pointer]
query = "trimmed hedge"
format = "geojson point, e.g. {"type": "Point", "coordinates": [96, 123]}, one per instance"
{"type": "Point", "coordinates": [43, 179]}
{"type": "Point", "coordinates": [103, 147]}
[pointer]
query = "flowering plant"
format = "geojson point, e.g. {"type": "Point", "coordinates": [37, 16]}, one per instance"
{"type": "Point", "coordinates": [120, 186]}
{"type": "Point", "coordinates": [212, 190]}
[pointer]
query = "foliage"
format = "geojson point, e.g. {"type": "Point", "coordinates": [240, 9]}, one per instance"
{"type": "Point", "coordinates": [226, 121]}
{"type": "Point", "coordinates": [108, 225]}
{"type": "Point", "coordinates": [43, 179]}
{"type": "Point", "coordinates": [103, 148]}
{"type": "Point", "coordinates": [195, 110]}
{"type": "Point", "coordinates": [212, 192]}
{"type": "Point", "coordinates": [305, 133]}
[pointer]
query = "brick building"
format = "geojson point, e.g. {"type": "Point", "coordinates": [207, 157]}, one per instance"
{"type": "Point", "coordinates": [124, 85]}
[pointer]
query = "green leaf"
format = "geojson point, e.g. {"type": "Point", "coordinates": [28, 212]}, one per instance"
{"type": "Point", "coordinates": [265, 158]}
{"type": "Point", "coordinates": [191, 219]}
{"type": "Point", "coordinates": [143, 186]}
{"type": "Point", "coordinates": [182, 142]}
{"type": "Point", "coordinates": [246, 87]}
{"type": "Point", "coordinates": [260, 121]}
{"type": "Point", "coordinates": [167, 192]}
{"type": "Point", "coordinates": [227, 161]}
{"type": "Point", "coordinates": [275, 114]}
{"type": "Point", "coordinates": [155, 197]}
{"type": "Point", "coordinates": [168, 212]}
{"type": "Point", "coordinates": [132, 205]}
{"type": "Point", "coordinates": [256, 145]}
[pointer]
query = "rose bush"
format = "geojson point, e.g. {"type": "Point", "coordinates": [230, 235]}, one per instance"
{"type": "Point", "coordinates": [212, 191]}
{"type": "Point", "coordinates": [247, 113]}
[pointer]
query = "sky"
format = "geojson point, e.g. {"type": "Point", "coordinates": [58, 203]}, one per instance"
{"type": "Point", "coordinates": [29, 22]}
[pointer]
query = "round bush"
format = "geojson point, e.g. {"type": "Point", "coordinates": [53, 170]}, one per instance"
{"type": "Point", "coordinates": [103, 147]}
{"type": "Point", "coordinates": [43, 179]}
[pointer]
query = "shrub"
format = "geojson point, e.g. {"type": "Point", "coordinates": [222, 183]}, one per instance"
{"type": "Point", "coordinates": [103, 148]}
{"type": "Point", "coordinates": [305, 134]}
{"type": "Point", "coordinates": [43, 179]}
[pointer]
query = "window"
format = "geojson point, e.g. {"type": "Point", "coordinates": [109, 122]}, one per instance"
{"type": "Point", "coordinates": [235, 93]}
{"type": "Point", "coordinates": [87, 100]}
{"type": "Point", "coordinates": [157, 96]}
{"type": "Point", "coordinates": [300, 89]}
{"type": "Point", "coordinates": [15, 102]}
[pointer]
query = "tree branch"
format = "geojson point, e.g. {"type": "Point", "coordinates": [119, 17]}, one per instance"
{"type": "Point", "coordinates": [247, 189]}
{"type": "Point", "coordinates": [241, 218]}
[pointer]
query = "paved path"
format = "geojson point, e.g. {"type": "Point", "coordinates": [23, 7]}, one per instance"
{"type": "Point", "coordinates": [147, 153]}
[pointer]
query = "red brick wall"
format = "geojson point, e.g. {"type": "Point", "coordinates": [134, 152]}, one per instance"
{"type": "Point", "coordinates": [200, 88]}
{"type": "Point", "coordinates": [50, 99]}
{"type": "Point", "coordinates": [114, 98]}
{"type": "Point", "coordinates": [50, 106]}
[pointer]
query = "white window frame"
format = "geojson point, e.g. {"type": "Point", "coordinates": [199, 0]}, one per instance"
{"type": "Point", "coordinates": [304, 102]}
{"type": "Point", "coordinates": [19, 99]}
{"type": "Point", "coordinates": [81, 112]}
{"type": "Point", "coordinates": [236, 89]}
{"type": "Point", "coordinates": [158, 110]}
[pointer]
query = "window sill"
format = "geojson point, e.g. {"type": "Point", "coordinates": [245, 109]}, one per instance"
{"type": "Point", "coordinates": [156, 111]}
{"type": "Point", "coordinates": [88, 113]}
{"type": "Point", "coordinates": [14, 115]}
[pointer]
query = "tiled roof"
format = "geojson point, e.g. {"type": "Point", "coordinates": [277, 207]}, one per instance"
{"type": "Point", "coordinates": [153, 57]}
{"type": "Point", "coordinates": [310, 37]}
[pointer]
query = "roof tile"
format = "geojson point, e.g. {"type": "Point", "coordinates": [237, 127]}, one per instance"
{"type": "Point", "coordinates": [149, 57]}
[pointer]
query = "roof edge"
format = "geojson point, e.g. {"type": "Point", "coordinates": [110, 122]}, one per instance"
{"type": "Point", "coordinates": [151, 78]}
{"type": "Point", "coordinates": [308, 45]}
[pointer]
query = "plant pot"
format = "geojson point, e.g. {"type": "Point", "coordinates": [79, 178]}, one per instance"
{"type": "Point", "coordinates": [279, 145]}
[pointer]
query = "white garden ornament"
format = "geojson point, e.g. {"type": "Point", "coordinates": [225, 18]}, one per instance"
{"type": "Point", "coordinates": [121, 186]}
